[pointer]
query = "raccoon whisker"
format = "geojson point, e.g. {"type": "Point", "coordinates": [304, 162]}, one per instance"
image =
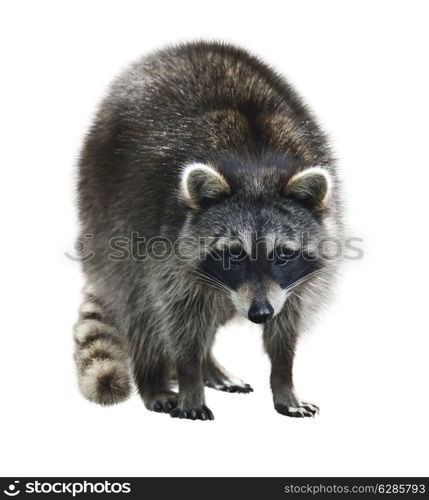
{"type": "Point", "coordinates": [301, 280]}
{"type": "Point", "coordinates": [297, 283]}
{"type": "Point", "coordinates": [210, 280]}
{"type": "Point", "coordinates": [217, 285]}
{"type": "Point", "coordinates": [206, 278]}
{"type": "Point", "coordinates": [321, 279]}
{"type": "Point", "coordinates": [203, 275]}
{"type": "Point", "coordinates": [220, 283]}
{"type": "Point", "coordinates": [210, 285]}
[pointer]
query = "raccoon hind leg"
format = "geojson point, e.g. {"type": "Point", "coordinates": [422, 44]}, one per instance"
{"type": "Point", "coordinates": [218, 378]}
{"type": "Point", "coordinates": [152, 377]}
{"type": "Point", "coordinates": [161, 402]}
{"type": "Point", "coordinates": [156, 391]}
{"type": "Point", "coordinates": [100, 356]}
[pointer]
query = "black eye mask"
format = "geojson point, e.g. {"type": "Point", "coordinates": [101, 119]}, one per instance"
{"type": "Point", "coordinates": [229, 266]}
{"type": "Point", "coordinates": [290, 266]}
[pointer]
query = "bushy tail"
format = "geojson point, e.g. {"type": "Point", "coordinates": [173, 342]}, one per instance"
{"type": "Point", "coordinates": [100, 355]}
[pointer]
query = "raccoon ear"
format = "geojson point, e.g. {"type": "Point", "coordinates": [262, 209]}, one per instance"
{"type": "Point", "coordinates": [201, 184]}
{"type": "Point", "coordinates": [311, 187]}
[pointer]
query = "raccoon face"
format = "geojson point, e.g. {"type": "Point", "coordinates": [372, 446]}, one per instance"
{"type": "Point", "coordinates": [257, 249]}
{"type": "Point", "coordinates": [259, 282]}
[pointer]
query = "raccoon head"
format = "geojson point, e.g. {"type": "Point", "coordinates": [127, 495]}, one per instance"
{"type": "Point", "coordinates": [259, 226]}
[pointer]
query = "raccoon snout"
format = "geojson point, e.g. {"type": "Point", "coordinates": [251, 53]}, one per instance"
{"type": "Point", "coordinates": [260, 312]}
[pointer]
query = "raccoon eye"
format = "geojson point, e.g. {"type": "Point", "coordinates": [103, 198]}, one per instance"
{"type": "Point", "coordinates": [235, 257]}
{"type": "Point", "coordinates": [283, 255]}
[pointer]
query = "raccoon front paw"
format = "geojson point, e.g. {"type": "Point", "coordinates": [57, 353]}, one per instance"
{"type": "Point", "coordinates": [300, 411]}
{"type": "Point", "coordinates": [202, 413]}
{"type": "Point", "coordinates": [238, 387]}
{"type": "Point", "coordinates": [162, 403]}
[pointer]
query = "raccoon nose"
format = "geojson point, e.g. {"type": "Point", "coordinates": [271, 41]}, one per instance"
{"type": "Point", "coordinates": [260, 312]}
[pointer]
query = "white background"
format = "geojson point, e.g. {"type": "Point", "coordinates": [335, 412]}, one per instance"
{"type": "Point", "coordinates": [363, 67]}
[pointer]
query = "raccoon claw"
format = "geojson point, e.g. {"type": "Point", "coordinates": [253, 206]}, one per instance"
{"type": "Point", "coordinates": [162, 404]}
{"type": "Point", "coordinates": [202, 413]}
{"type": "Point", "coordinates": [301, 411]}
{"type": "Point", "coordinates": [241, 387]}
{"type": "Point", "coordinates": [311, 408]}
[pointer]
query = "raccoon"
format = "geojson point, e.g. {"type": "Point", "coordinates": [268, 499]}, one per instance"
{"type": "Point", "coordinates": [205, 189]}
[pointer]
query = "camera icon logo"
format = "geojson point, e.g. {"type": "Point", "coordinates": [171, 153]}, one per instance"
{"type": "Point", "coordinates": [12, 489]}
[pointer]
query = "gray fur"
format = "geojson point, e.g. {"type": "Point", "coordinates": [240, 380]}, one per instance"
{"type": "Point", "coordinates": [216, 105]}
